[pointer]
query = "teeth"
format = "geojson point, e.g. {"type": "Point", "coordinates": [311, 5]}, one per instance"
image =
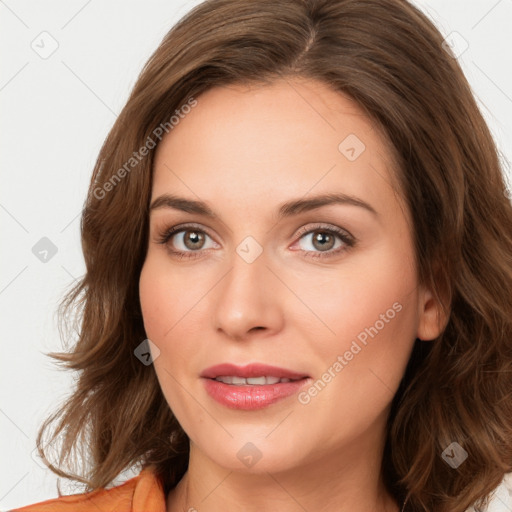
{"type": "Point", "coordinates": [251, 381]}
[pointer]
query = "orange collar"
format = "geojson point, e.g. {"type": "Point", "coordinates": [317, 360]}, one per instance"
{"type": "Point", "coordinates": [142, 493]}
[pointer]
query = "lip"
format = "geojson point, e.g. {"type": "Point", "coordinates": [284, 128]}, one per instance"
{"type": "Point", "coordinates": [250, 370]}
{"type": "Point", "coordinates": [251, 397]}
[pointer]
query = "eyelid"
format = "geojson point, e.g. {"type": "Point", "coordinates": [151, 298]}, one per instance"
{"type": "Point", "coordinates": [318, 226]}
{"type": "Point", "coordinates": [301, 231]}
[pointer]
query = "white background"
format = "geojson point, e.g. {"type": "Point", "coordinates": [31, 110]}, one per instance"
{"type": "Point", "coordinates": [55, 115]}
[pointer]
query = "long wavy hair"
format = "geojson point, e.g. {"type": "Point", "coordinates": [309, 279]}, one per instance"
{"type": "Point", "coordinates": [389, 58]}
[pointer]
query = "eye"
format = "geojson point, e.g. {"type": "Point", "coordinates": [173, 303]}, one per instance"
{"type": "Point", "coordinates": [323, 240]}
{"type": "Point", "coordinates": [189, 239]}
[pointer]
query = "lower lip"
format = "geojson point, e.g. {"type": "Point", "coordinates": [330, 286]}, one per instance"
{"type": "Point", "coordinates": [251, 397]}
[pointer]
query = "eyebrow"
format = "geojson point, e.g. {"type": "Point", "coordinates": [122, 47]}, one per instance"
{"type": "Point", "coordinates": [287, 209]}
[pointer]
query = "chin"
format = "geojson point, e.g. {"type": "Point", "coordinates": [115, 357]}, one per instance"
{"type": "Point", "coordinates": [256, 456]}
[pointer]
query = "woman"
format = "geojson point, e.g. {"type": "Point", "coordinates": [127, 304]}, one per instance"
{"type": "Point", "coordinates": [221, 351]}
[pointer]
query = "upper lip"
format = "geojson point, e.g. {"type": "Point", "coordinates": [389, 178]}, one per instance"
{"type": "Point", "coordinates": [250, 370]}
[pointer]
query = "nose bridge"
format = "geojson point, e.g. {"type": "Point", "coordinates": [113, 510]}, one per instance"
{"type": "Point", "coordinates": [247, 297]}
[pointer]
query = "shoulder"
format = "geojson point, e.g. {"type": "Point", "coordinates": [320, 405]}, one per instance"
{"type": "Point", "coordinates": [501, 498]}
{"type": "Point", "coordinates": [142, 493]}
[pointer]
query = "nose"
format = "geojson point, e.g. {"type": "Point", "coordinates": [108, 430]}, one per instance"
{"type": "Point", "coordinates": [248, 300]}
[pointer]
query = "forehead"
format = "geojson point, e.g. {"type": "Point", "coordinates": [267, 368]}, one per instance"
{"type": "Point", "coordinates": [287, 138]}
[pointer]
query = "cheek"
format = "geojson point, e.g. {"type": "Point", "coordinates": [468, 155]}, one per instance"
{"type": "Point", "coordinates": [368, 323]}
{"type": "Point", "coordinates": [152, 301]}
{"type": "Point", "coordinates": [163, 299]}
{"type": "Point", "coordinates": [369, 319]}
{"type": "Point", "coordinates": [172, 309]}
{"type": "Point", "coordinates": [159, 309]}
{"type": "Point", "coordinates": [377, 291]}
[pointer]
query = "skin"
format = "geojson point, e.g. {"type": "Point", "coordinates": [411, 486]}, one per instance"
{"type": "Point", "coordinates": [245, 151]}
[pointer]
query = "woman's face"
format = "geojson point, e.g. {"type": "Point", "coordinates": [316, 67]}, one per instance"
{"type": "Point", "coordinates": [325, 289]}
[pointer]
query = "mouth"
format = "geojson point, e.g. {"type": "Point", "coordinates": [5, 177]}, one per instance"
{"type": "Point", "coordinates": [251, 387]}
{"type": "Point", "coordinates": [253, 381]}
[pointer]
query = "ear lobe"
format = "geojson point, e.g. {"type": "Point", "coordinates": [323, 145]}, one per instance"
{"type": "Point", "coordinates": [432, 318]}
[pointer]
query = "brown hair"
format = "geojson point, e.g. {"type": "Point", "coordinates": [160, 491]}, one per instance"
{"type": "Point", "coordinates": [388, 57]}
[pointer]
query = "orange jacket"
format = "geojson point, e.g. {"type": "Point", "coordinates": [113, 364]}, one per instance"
{"type": "Point", "coordinates": [143, 493]}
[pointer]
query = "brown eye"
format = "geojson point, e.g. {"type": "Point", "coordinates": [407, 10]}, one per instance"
{"type": "Point", "coordinates": [185, 241]}
{"type": "Point", "coordinates": [193, 239]}
{"type": "Point", "coordinates": [323, 241]}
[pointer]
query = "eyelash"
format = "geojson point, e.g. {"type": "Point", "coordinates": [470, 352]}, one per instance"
{"type": "Point", "coordinates": [347, 239]}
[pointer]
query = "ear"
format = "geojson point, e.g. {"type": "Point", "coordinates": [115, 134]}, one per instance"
{"type": "Point", "coordinates": [432, 318]}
